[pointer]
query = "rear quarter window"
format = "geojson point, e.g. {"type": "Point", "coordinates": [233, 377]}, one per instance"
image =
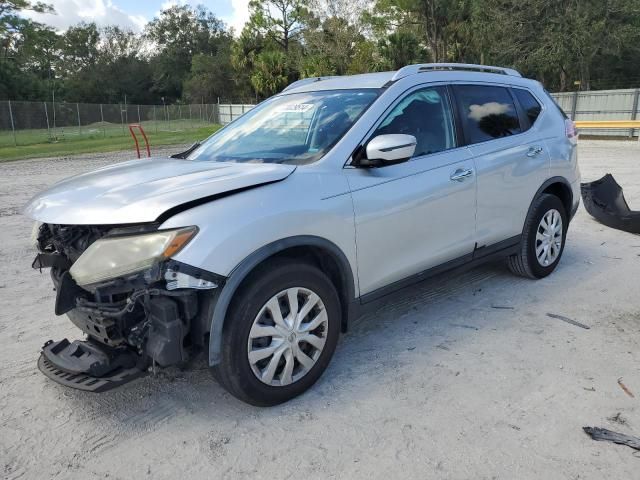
{"type": "Point", "coordinates": [487, 112]}
{"type": "Point", "coordinates": [529, 104]}
{"type": "Point", "coordinates": [553, 100]}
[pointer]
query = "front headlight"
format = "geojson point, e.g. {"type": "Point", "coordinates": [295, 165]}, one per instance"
{"type": "Point", "coordinates": [109, 258]}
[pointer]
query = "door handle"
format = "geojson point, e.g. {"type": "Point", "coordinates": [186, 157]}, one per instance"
{"type": "Point", "coordinates": [460, 174]}
{"type": "Point", "coordinates": [533, 151]}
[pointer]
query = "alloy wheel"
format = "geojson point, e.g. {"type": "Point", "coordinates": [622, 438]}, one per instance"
{"type": "Point", "coordinates": [549, 236]}
{"type": "Point", "coordinates": [287, 336]}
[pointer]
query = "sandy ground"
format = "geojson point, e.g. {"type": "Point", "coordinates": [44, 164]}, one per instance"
{"type": "Point", "coordinates": [439, 384]}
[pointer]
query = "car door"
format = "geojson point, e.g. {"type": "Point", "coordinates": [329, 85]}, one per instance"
{"type": "Point", "coordinates": [415, 215]}
{"type": "Point", "coordinates": [511, 160]}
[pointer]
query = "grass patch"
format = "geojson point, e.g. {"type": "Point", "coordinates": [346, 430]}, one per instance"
{"type": "Point", "coordinates": [36, 144]}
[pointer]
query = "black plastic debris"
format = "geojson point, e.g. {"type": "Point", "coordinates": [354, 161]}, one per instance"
{"type": "Point", "coordinates": [604, 200]}
{"type": "Point", "coordinates": [568, 320]}
{"type": "Point", "coordinates": [604, 435]}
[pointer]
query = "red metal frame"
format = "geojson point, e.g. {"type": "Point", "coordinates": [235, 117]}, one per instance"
{"type": "Point", "coordinates": [135, 138]}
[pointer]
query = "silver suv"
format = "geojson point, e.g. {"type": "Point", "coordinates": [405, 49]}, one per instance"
{"type": "Point", "coordinates": [260, 244]}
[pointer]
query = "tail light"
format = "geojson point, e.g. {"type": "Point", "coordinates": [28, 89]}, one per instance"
{"type": "Point", "coordinates": [570, 130]}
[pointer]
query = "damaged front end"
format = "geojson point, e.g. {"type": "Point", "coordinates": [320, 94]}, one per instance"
{"type": "Point", "coordinates": [137, 306]}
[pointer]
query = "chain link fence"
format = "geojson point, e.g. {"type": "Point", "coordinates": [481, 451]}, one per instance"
{"type": "Point", "coordinates": [29, 123]}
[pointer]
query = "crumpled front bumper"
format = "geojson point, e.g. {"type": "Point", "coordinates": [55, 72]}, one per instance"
{"type": "Point", "coordinates": [157, 317]}
{"type": "Point", "coordinates": [604, 200]}
{"type": "Point", "coordinates": [86, 366]}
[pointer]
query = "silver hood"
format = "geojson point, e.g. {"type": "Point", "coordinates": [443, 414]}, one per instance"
{"type": "Point", "coordinates": [140, 191]}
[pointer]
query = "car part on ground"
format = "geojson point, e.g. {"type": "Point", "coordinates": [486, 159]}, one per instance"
{"type": "Point", "coordinates": [88, 366]}
{"type": "Point", "coordinates": [604, 200]}
{"type": "Point", "coordinates": [604, 435]}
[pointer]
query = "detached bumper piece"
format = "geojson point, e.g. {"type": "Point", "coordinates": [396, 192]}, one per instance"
{"type": "Point", "coordinates": [88, 366]}
{"type": "Point", "coordinates": [604, 200]}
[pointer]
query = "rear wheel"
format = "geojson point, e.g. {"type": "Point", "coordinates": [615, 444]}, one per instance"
{"type": "Point", "coordinates": [543, 239]}
{"type": "Point", "coordinates": [280, 333]}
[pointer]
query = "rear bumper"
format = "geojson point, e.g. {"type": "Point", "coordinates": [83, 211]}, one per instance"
{"type": "Point", "coordinates": [604, 200]}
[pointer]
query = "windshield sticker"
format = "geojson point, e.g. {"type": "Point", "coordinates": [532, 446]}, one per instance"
{"type": "Point", "coordinates": [294, 108]}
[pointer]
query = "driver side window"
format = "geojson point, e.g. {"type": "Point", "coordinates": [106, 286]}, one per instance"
{"type": "Point", "coordinates": [425, 114]}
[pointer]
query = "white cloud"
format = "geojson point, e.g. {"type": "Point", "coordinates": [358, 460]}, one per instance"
{"type": "Point", "coordinates": [171, 3]}
{"type": "Point", "coordinates": [239, 16]}
{"type": "Point", "coordinates": [105, 12]}
{"type": "Point", "coordinates": [478, 112]}
{"type": "Point", "coordinates": [235, 19]}
{"type": "Point", "coordinates": [102, 12]}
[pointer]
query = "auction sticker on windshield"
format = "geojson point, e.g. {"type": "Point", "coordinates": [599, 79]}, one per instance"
{"type": "Point", "coordinates": [294, 108]}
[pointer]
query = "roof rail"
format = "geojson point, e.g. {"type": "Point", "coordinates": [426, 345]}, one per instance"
{"type": "Point", "coordinates": [425, 67]}
{"type": "Point", "coordinates": [305, 81]}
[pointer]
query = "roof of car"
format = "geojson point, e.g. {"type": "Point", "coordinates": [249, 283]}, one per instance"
{"type": "Point", "coordinates": [381, 79]}
{"type": "Point", "coordinates": [364, 80]}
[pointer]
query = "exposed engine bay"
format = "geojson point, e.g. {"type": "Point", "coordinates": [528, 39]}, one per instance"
{"type": "Point", "coordinates": [156, 316]}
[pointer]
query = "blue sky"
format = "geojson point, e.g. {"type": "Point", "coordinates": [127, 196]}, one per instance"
{"type": "Point", "coordinates": [133, 14]}
{"type": "Point", "coordinates": [147, 8]}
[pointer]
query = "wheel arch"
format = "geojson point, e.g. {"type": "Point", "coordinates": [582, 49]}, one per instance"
{"type": "Point", "coordinates": [558, 186]}
{"type": "Point", "coordinates": [322, 252]}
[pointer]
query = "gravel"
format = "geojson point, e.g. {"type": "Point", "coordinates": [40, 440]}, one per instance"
{"type": "Point", "coordinates": [458, 378]}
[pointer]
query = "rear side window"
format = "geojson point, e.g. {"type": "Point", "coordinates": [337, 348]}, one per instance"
{"type": "Point", "coordinates": [487, 112]}
{"type": "Point", "coordinates": [530, 105]}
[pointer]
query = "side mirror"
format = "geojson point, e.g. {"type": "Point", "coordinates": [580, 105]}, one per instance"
{"type": "Point", "coordinates": [388, 150]}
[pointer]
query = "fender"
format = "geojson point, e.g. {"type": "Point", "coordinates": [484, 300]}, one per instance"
{"type": "Point", "coordinates": [244, 268]}
{"type": "Point", "coordinates": [545, 185]}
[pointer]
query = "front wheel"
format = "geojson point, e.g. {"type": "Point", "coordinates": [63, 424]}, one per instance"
{"type": "Point", "coordinates": [280, 335]}
{"type": "Point", "coordinates": [543, 239]}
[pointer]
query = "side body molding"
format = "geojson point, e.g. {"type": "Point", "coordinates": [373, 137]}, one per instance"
{"type": "Point", "coordinates": [239, 273]}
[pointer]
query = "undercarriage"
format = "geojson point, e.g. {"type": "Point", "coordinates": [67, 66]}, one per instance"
{"type": "Point", "coordinates": [158, 316]}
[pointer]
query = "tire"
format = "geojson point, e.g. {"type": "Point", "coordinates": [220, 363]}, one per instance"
{"type": "Point", "coordinates": [253, 305]}
{"type": "Point", "coordinates": [526, 262]}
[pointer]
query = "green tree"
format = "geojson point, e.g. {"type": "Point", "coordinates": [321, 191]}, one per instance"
{"type": "Point", "coordinates": [402, 48]}
{"type": "Point", "coordinates": [23, 68]}
{"type": "Point", "coordinates": [11, 22]}
{"type": "Point", "coordinates": [277, 20]}
{"type": "Point", "coordinates": [366, 58]}
{"type": "Point", "coordinates": [330, 45]}
{"type": "Point", "coordinates": [104, 66]}
{"type": "Point", "coordinates": [436, 22]}
{"type": "Point", "coordinates": [211, 78]}
{"type": "Point", "coordinates": [79, 47]}
{"type": "Point", "coordinates": [180, 32]}
{"type": "Point", "coordinates": [270, 75]}
{"type": "Point", "coordinates": [560, 42]}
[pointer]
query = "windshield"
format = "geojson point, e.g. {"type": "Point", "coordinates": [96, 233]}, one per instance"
{"type": "Point", "coordinates": [298, 128]}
